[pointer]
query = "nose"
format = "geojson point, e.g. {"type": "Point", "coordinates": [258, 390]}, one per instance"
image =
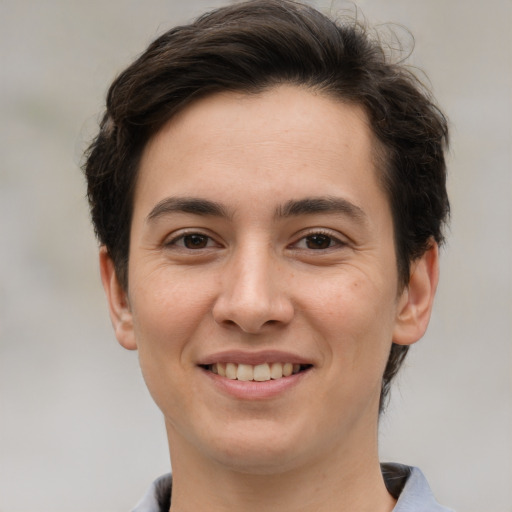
{"type": "Point", "coordinates": [254, 293]}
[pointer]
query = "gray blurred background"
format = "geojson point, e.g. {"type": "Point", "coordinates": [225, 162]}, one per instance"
{"type": "Point", "coordinates": [78, 430]}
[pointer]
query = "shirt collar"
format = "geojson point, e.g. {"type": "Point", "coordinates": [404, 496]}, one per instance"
{"type": "Point", "coordinates": [407, 484]}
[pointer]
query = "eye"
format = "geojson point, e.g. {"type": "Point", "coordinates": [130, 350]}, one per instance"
{"type": "Point", "coordinates": [192, 241]}
{"type": "Point", "coordinates": [318, 241]}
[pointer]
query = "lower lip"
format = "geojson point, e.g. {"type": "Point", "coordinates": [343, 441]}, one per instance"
{"type": "Point", "coordinates": [252, 390]}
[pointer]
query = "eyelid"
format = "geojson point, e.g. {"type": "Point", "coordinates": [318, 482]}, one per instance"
{"type": "Point", "coordinates": [171, 240]}
{"type": "Point", "coordinates": [340, 241]}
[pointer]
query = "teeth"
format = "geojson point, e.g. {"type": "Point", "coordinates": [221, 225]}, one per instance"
{"type": "Point", "coordinates": [231, 371]}
{"type": "Point", "coordinates": [258, 373]}
{"type": "Point", "coordinates": [244, 372]}
{"type": "Point", "coordinates": [262, 372]}
{"type": "Point", "coordinates": [276, 370]}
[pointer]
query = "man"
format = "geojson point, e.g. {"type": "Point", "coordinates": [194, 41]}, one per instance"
{"type": "Point", "coordinates": [269, 195]}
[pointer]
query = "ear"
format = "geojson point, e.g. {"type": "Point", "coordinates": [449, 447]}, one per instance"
{"type": "Point", "coordinates": [416, 300]}
{"type": "Point", "coordinates": [119, 307]}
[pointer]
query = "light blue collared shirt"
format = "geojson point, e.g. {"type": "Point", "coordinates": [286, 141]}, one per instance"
{"type": "Point", "coordinates": [410, 487]}
{"type": "Point", "coordinates": [407, 484]}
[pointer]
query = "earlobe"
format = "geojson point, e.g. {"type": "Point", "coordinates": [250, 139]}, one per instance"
{"type": "Point", "coordinates": [119, 307]}
{"type": "Point", "coordinates": [415, 303]}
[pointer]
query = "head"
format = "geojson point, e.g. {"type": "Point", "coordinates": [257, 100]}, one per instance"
{"type": "Point", "coordinates": [254, 47]}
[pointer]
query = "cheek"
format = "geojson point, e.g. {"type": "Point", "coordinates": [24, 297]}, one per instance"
{"type": "Point", "coordinates": [168, 304]}
{"type": "Point", "coordinates": [351, 299]}
{"type": "Point", "coordinates": [168, 315]}
{"type": "Point", "coordinates": [355, 317]}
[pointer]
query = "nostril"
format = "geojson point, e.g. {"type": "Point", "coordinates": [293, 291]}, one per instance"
{"type": "Point", "coordinates": [230, 323]}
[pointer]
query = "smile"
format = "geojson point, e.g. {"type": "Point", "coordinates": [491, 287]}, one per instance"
{"type": "Point", "coordinates": [258, 373]}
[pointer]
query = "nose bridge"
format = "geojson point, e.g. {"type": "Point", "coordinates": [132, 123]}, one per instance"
{"type": "Point", "coordinates": [251, 278]}
{"type": "Point", "coordinates": [253, 292]}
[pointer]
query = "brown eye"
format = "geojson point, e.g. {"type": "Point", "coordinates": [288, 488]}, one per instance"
{"type": "Point", "coordinates": [318, 241]}
{"type": "Point", "coordinates": [195, 241]}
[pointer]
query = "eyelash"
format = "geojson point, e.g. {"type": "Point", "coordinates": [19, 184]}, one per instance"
{"type": "Point", "coordinates": [174, 242]}
{"type": "Point", "coordinates": [332, 240]}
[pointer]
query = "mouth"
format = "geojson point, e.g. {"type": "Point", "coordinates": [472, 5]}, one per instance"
{"type": "Point", "coordinates": [256, 373]}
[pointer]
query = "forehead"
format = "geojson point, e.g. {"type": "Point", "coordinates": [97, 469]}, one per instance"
{"type": "Point", "coordinates": [280, 143]}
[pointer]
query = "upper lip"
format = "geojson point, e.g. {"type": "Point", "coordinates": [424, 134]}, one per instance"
{"type": "Point", "coordinates": [253, 358]}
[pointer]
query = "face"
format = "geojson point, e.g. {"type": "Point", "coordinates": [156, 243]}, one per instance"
{"type": "Point", "coordinates": [263, 293]}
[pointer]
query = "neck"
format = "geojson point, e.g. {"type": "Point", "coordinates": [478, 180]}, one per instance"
{"type": "Point", "coordinates": [344, 480]}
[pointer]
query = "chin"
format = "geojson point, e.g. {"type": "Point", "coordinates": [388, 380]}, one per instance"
{"type": "Point", "coordinates": [259, 460]}
{"type": "Point", "coordinates": [256, 447]}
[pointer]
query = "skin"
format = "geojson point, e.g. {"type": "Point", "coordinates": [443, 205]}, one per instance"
{"type": "Point", "coordinates": [255, 276]}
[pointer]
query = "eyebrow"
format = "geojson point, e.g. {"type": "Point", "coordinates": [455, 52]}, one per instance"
{"type": "Point", "coordinates": [316, 205]}
{"type": "Point", "coordinates": [194, 205]}
{"type": "Point", "coordinates": [292, 208]}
